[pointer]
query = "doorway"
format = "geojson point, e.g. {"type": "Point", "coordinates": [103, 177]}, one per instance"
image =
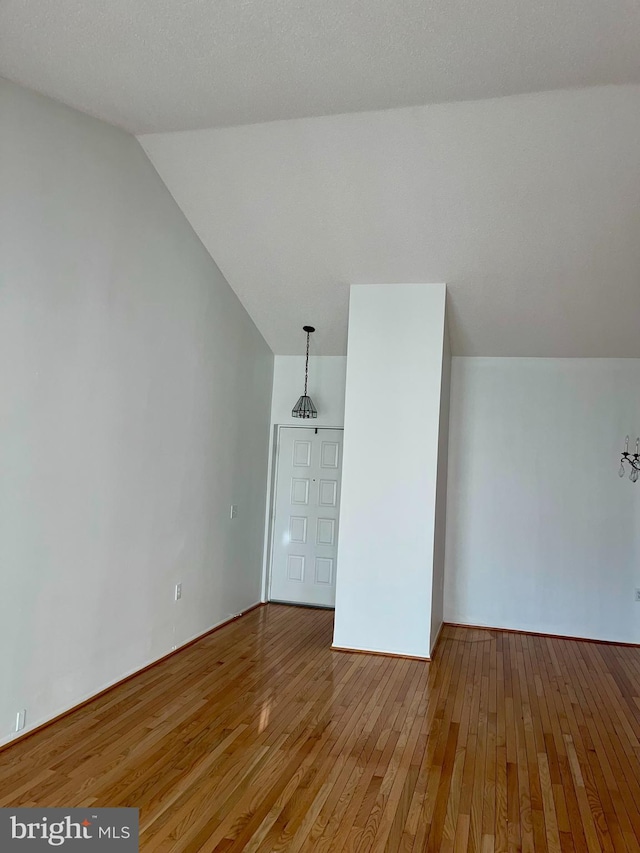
{"type": "Point", "coordinates": [306, 513]}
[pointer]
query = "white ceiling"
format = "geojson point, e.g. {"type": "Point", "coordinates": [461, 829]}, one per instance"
{"type": "Point", "coordinates": [159, 65]}
{"type": "Point", "coordinates": [528, 207]}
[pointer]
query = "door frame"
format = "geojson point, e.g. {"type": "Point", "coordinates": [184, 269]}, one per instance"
{"type": "Point", "coordinates": [275, 459]}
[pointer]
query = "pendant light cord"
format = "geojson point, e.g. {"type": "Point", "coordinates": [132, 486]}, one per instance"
{"type": "Point", "coordinates": [306, 367]}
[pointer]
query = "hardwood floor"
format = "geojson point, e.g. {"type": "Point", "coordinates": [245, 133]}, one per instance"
{"type": "Point", "coordinates": [260, 738]}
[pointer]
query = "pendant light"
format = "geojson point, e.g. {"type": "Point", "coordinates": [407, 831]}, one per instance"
{"type": "Point", "coordinates": [304, 408]}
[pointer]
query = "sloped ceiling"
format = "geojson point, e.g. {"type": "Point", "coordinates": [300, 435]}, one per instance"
{"type": "Point", "coordinates": [159, 65]}
{"type": "Point", "coordinates": [528, 207]}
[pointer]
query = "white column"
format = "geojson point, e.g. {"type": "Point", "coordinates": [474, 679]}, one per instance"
{"type": "Point", "coordinates": [390, 468]}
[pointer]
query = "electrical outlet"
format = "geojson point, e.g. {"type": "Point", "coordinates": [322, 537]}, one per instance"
{"type": "Point", "coordinates": [178, 593]}
{"type": "Point", "coordinates": [637, 594]}
{"type": "Point", "coordinates": [234, 511]}
{"type": "Point", "coordinates": [21, 720]}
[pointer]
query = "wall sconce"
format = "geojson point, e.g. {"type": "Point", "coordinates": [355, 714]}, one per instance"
{"type": "Point", "coordinates": [632, 458]}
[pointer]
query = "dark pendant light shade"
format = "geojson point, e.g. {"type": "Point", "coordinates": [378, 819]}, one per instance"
{"type": "Point", "coordinates": [304, 408]}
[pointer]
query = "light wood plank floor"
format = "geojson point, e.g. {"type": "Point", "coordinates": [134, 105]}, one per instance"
{"type": "Point", "coordinates": [260, 738]}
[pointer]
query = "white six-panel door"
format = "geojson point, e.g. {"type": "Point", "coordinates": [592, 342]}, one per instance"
{"type": "Point", "coordinates": [305, 527]}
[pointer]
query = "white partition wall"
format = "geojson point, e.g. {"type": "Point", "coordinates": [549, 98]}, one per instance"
{"type": "Point", "coordinates": [437, 603]}
{"type": "Point", "coordinates": [390, 467]}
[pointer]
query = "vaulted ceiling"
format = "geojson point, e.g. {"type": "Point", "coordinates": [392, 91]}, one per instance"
{"type": "Point", "coordinates": [159, 65]}
{"type": "Point", "coordinates": [527, 205]}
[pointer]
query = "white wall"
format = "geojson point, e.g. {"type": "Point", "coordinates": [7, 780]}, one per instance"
{"type": "Point", "coordinates": [134, 410]}
{"type": "Point", "coordinates": [437, 596]}
{"type": "Point", "coordinates": [387, 514]}
{"type": "Point", "coordinates": [542, 535]}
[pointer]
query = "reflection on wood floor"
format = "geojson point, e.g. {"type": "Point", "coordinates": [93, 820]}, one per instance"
{"type": "Point", "coordinates": [260, 738]}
